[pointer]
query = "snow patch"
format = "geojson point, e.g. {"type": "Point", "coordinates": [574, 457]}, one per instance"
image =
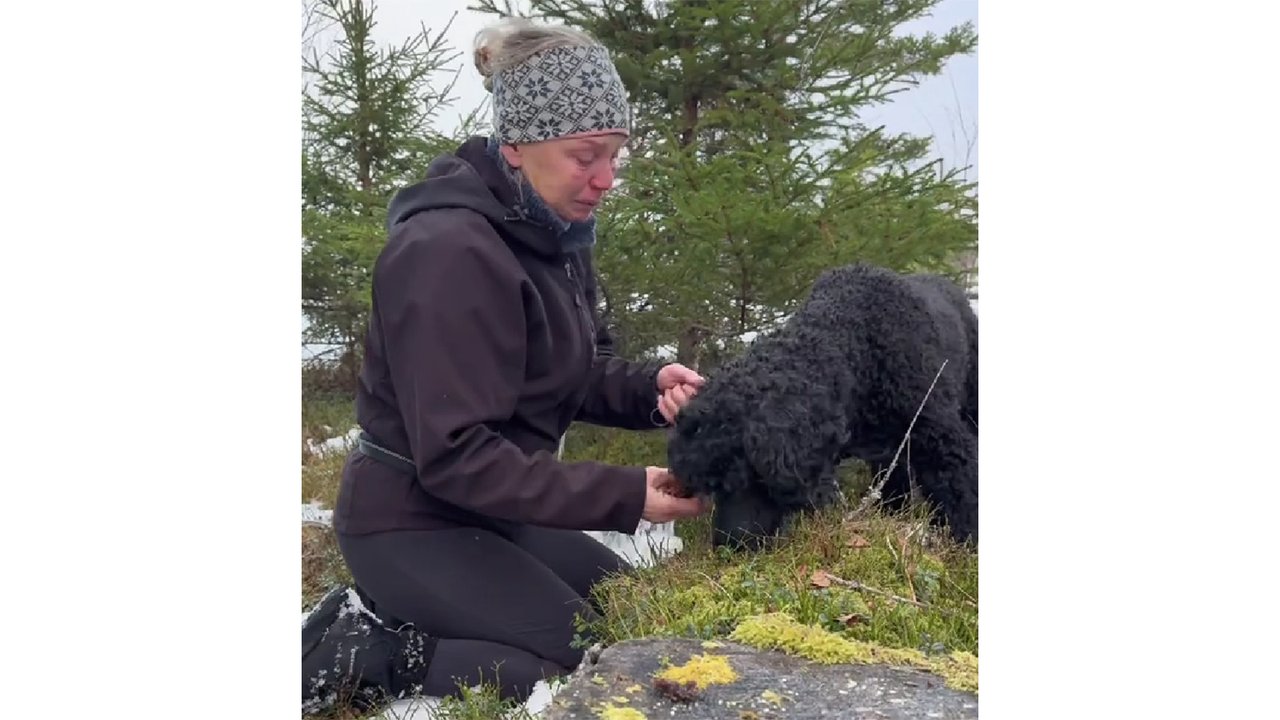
{"type": "Point", "coordinates": [315, 513]}
{"type": "Point", "coordinates": [428, 708]}
{"type": "Point", "coordinates": [341, 443]}
{"type": "Point", "coordinates": [649, 544]}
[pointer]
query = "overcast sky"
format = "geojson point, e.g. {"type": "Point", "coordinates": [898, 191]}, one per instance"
{"type": "Point", "coordinates": [945, 107]}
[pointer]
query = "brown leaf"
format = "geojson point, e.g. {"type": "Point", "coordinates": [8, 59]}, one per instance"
{"type": "Point", "coordinates": [858, 542]}
{"type": "Point", "coordinates": [820, 579]}
{"type": "Point", "coordinates": [852, 619]}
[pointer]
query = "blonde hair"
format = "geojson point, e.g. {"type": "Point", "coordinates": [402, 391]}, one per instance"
{"type": "Point", "coordinates": [513, 40]}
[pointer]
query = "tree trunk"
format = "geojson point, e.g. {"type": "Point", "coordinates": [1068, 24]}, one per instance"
{"type": "Point", "coordinates": [349, 368]}
{"type": "Point", "coordinates": [690, 345]}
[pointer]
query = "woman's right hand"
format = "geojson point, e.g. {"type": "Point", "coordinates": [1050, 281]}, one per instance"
{"type": "Point", "coordinates": [662, 502]}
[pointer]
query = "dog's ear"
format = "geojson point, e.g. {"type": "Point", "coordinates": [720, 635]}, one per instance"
{"type": "Point", "coordinates": [790, 448]}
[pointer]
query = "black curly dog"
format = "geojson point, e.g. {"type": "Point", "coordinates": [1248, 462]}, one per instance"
{"type": "Point", "coordinates": [841, 379]}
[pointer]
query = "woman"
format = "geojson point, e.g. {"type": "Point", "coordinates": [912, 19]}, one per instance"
{"type": "Point", "coordinates": [455, 515]}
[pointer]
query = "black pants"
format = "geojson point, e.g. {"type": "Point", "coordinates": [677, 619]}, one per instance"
{"type": "Point", "coordinates": [501, 605]}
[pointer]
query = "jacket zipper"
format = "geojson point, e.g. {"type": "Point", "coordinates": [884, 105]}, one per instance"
{"type": "Point", "coordinates": [580, 302]}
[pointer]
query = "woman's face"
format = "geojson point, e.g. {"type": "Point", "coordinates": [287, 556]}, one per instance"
{"type": "Point", "coordinates": [571, 175]}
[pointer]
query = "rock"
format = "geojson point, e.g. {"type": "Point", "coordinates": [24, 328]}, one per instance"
{"type": "Point", "coordinates": [768, 686]}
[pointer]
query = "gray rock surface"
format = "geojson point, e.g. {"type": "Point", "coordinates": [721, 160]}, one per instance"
{"type": "Point", "coordinates": [806, 689]}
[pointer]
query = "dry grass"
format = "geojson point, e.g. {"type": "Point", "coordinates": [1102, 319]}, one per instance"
{"type": "Point", "coordinates": [322, 564]}
{"type": "Point", "coordinates": [321, 475]}
{"type": "Point", "coordinates": [704, 593]}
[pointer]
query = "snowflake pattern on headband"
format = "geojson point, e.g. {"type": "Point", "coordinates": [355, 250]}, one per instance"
{"type": "Point", "coordinates": [560, 91]}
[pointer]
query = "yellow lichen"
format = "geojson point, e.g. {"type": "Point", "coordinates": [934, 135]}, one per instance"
{"type": "Point", "coordinates": [635, 688]}
{"type": "Point", "coordinates": [711, 644]}
{"type": "Point", "coordinates": [621, 699]}
{"type": "Point", "coordinates": [702, 670]}
{"type": "Point", "coordinates": [778, 631]}
{"type": "Point", "coordinates": [609, 712]}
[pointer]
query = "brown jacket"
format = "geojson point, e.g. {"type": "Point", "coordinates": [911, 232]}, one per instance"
{"type": "Point", "coordinates": [481, 350]}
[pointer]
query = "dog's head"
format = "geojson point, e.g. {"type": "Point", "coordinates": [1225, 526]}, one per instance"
{"type": "Point", "coordinates": [708, 454]}
{"type": "Point", "coordinates": [760, 458]}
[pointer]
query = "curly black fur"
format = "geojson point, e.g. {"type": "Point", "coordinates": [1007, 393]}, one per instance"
{"type": "Point", "coordinates": [842, 379]}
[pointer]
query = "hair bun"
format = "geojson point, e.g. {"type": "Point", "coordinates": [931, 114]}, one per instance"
{"type": "Point", "coordinates": [483, 59]}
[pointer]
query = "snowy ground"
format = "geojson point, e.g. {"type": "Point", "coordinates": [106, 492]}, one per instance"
{"type": "Point", "coordinates": [341, 443]}
{"type": "Point", "coordinates": [650, 543]}
{"type": "Point", "coordinates": [428, 708]}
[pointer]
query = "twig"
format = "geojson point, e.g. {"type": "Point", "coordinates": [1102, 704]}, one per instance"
{"type": "Point", "coordinates": [907, 570]}
{"type": "Point", "coordinates": [889, 543]}
{"type": "Point", "coordinates": [968, 599]}
{"type": "Point", "coordinates": [874, 496]}
{"type": "Point", "coordinates": [718, 585]}
{"type": "Point", "coordinates": [855, 585]}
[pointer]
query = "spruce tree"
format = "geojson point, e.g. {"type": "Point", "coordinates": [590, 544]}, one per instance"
{"type": "Point", "coordinates": [751, 170]}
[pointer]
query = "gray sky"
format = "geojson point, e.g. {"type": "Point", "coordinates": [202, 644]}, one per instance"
{"type": "Point", "coordinates": [945, 107]}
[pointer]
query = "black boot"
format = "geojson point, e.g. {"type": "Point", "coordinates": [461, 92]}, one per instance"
{"type": "Point", "coordinates": [349, 657]}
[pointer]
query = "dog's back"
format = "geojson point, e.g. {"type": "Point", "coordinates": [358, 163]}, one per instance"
{"type": "Point", "coordinates": [904, 314]}
{"type": "Point", "coordinates": [950, 306]}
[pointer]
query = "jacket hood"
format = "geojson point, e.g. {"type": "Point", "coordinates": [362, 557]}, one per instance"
{"type": "Point", "coordinates": [473, 178]}
{"type": "Point", "coordinates": [451, 182]}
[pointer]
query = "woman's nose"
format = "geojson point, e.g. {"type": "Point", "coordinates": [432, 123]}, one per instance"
{"type": "Point", "coordinates": [603, 179]}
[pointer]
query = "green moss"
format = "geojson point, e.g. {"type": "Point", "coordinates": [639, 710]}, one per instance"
{"type": "Point", "coordinates": [778, 631]}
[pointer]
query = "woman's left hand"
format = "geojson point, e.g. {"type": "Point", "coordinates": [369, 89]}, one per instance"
{"type": "Point", "coordinates": [675, 375]}
{"type": "Point", "coordinates": [677, 385]}
{"type": "Point", "coordinates": [670, 402]}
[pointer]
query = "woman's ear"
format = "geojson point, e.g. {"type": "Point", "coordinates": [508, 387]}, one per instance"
{"type": "Point", "coordinates": [511, 153]}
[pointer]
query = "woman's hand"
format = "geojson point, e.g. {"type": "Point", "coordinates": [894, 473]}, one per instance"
{"type": "Point", "coordinates": [674, 375]}
{"type": "Point", "coordinates": [677, 385]}
{"type": "Point", "coordinates": [670, 402]}
{"type": "Point", "coordinates": [666, 500]}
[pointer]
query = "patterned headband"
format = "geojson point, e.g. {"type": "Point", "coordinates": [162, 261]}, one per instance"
{"type": "Point", "coordinates": [561, 91]}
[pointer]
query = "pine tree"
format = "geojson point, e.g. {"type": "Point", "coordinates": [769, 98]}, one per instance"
{"type": "Point", "coordinates": [750, 169]}
{"type": "Point", "coordinates": [368, 117]}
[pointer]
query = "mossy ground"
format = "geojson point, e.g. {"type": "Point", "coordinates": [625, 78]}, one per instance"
{"type": "Point", "coordinates": [705, 593]}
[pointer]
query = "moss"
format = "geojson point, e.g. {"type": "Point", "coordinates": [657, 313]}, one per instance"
{"type": "Point", "coordinates": [778, 631]}
{"type": "Point", "coordinates": [964, 668]}
{"type": "Point", "coordinates": [702, 670]}
{"type": "Point", "coordinates": [704, 594]}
